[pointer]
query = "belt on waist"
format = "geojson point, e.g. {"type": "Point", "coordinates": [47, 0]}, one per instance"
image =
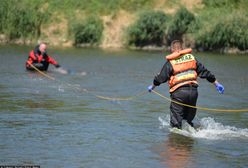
{"type": "Point", "coordinates": [189, 85]}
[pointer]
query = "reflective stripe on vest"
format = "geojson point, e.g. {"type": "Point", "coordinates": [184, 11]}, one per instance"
{"type": "Point", "coordinates": [190, 74]}
{"type": "Point", "coordinates": [184, 71]}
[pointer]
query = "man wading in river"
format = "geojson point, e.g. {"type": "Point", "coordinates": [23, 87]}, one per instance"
{"type": "Point", "coordinates": [181, 71]}
{"type": "Point", "coordinates": [40, 59]}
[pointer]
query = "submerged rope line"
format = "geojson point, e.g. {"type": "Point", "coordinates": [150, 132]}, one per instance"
{"type": "Point", "coordinates": [122, 98]}
{"type": "Point", "coordinates": [90, 92]}
{"type": "Point", "coordinates": [138, 95]}
{"type": "Point", "coordinates": [199, 107]}
{"type": "Point", "coordinates": [42, 73]}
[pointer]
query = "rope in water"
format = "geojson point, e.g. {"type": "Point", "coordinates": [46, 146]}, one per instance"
{"type": "Point", "coordinates": [90, 92]}
{"type": "Point", "coordinates": [140, 94]}
{"type": "Point", "coordinates": [200, 108]}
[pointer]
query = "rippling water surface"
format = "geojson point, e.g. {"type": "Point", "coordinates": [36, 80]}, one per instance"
{"type": "Point", "coordinates": [58, 124]}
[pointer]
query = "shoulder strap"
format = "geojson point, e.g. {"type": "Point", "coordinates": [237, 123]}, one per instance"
{"type": "Point", "coordinates": [175, 55]}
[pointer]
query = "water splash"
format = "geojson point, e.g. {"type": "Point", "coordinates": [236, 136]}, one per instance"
{"type": "Point", "coordinates": [61, 70]}
{"type": "Point", "coordinates": [82, 73]}
{"type": "Point", "coordinates": [69, 72]}
{"type": "Point", "coordinates": [61, 89]}
{"type": "Point", "coordinates": [208, 129]}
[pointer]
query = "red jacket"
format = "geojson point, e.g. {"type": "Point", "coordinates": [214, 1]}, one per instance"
{"type": "Point", "coordinates": [38, 58]}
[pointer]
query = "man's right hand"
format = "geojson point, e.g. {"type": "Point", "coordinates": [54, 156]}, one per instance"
{"type": "Point", "coordinates": [219, 87]}
{"type": "Point", "coordinates": [150, 88]}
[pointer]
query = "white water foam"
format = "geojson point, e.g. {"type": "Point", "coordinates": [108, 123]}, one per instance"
{"type": "Point", "coordinates": [61, 71]}
{"type": "Point", "coordinates": [209, 129]}
{"type": "Point", "coordinates": [61, 89]}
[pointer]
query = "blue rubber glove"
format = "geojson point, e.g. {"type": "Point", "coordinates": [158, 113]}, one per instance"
{"type": "Point", "coordinates": [220, 88]}
{"type": "Point", "coordinates": [150, 88]}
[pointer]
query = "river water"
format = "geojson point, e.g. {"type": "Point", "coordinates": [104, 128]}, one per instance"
{"type": "Point", "coordinates": [56, 124]}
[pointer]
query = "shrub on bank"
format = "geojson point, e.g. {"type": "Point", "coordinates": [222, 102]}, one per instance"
{"type": "Point", "coordinates": [180, 24]}
{"type": "Point", "coordinates": [18, 21]}
{"type": "Point", "coordinates": [226, 34]}
{"type": "Point", "coordinates": [149, 29]}
{"type": "Point", "coordinates": [89, 31]}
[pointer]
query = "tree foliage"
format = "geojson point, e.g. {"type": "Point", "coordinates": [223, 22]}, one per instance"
{"type": "Point", "coordinates": [180, 24]}
{"type": "Point", "coordinates": [89, 31]}
{"type": "Point", "coordinates": [19, 21]}
{"type": "Point", "coordinates": [229, 33]}
{"type": "Point", "coordinates": [149, 29]}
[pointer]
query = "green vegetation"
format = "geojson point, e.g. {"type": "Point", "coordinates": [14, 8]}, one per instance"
{"type": "Point", "coordinates": [99, 7]}
{"type": "Point", "coordinates": [180, 24]}
{"type": "Point", "coordinates": [148, 30]}
{"type": "Point", "coordinates": [221, 3]}
{"type": "Point", "coordinates": [89, 31]}
{"type": "Point", "coordinates": [221, 25]}
{"type": "Point", "coordinates": [230, 33]}
{"type": "Point", "coordinates": [212, 25]}
{"type": "Point", "coordinates": [18, 21]}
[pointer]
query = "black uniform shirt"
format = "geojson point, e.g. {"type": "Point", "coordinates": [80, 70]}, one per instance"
{"type": "Point", "coordinates": [167, 72]}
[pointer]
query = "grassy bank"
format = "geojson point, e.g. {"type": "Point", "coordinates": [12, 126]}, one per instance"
{"type": "Point", "coordinates": [202, 24]}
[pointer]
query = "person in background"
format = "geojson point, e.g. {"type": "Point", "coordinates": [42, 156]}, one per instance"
{"type": "Point", "coordinates": [181, 71]}
{"type": "Point", "coordinates": [40, 59]}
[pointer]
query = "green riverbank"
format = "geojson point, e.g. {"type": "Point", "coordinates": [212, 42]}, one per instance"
{"type": "Point", "coordinates": [205, 25]}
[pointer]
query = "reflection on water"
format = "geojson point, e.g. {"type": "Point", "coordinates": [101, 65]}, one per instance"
{"type": "Point", "coordinates": [177, 151]}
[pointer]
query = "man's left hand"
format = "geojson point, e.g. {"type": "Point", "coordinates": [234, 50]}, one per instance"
{"type": "Point", "coordinates": [219, 87]}
{"type": "Point", "coordinates": [57, 65]}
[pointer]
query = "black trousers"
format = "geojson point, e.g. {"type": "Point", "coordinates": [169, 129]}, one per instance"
{"type": "Point", "coordinates": [188, 95]}
{"type": "Point", "coordinates": [43, 66]}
